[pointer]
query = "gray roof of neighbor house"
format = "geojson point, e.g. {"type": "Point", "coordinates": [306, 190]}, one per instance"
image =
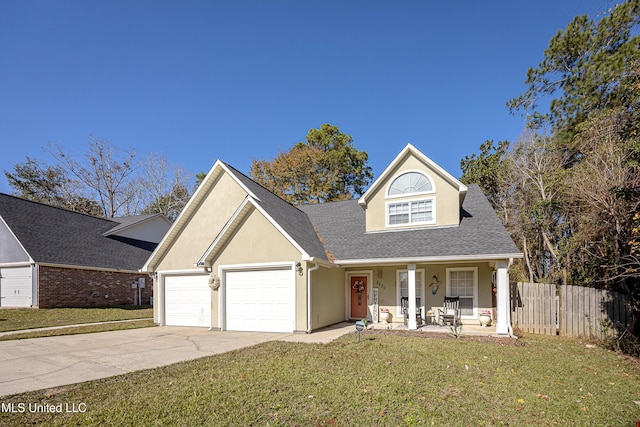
{"type": "Point", "coordinates": [58, 236]}
{"type": "Point", "coordinates": [341, 225]}
{"type": "Point", "coordinates": [293, 221]}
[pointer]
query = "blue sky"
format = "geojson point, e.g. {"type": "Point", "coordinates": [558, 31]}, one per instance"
{"type": "Point", "coordinates": [238, 80]}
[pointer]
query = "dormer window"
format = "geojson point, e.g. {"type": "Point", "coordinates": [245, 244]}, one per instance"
{"type": "Point", "coordinates": [415, 211]}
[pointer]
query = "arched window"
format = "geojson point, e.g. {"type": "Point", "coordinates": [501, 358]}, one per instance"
{"type": "Point", "coordinates": [410, 182]}
{"type": "Point", "coordinates": [415, 211]}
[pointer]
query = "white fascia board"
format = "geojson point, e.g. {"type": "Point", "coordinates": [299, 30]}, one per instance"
{"type": "Point", "coordinates": [363, 199]}
{"type": "Point", "coordinates": [166, 273]}
{"type": "Point", "coordinates": [321, 262]}
{"type": "Point", "coordinates": [235, 178]}
{"type": "Point", "coordinates": [235, 218]}
{"type": "Point", "coordinates": [284, 265]}
{"type": "Point", "coordinates": [17, 264]}
{"type": "Point", "coordinates": [434, 259]}
{"type": "Point", "coordinates": [433, 165]}
{"type": "Point", "coordinates": [184, 214]}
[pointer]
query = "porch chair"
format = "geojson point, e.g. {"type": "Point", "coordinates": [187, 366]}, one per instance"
{"type": "Point", "coordinates": [405, 312]}
{"type": "Point", "coordinates": [450, 311]}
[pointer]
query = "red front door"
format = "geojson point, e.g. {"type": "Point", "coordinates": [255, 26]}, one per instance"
{"type": "Point", "coordinates": [358, 286]}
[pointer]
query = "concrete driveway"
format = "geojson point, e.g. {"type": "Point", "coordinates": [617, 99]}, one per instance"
{"type": "Point", "coordinates": [39, 363]}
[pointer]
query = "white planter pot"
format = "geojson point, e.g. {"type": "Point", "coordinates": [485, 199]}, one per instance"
{"type": "Point", "coordinates": [385, 316]}
{"type": "Point", "coordinates": [484, 320]}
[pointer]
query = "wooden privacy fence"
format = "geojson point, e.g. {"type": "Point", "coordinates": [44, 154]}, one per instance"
{"type": "Point", "coordinates": [573, 311]}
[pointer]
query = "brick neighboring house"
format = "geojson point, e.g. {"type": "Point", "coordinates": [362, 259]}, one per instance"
{"type": "Point", "coordinates": [52, 257]}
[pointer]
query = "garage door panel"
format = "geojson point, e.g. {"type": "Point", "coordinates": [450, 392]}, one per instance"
{"type": "Point", "coordinates": [15, 287]}
{"type": "Point", "coordinates": [187, 301]}
{"type": "Point", "coordinates": [260, 300]}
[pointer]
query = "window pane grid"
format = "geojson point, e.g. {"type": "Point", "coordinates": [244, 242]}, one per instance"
{"type": "Point", "coordinates": [461, 284]}
{"type": "Point", "coordinates": [409, 213]}
{"type": "Point", "coordinates": [410, 182]}
{"type": "Point", "coordinates": [404, 288]}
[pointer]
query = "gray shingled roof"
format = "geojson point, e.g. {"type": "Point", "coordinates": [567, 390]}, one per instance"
{"type": "Point", "coordinates": [341, 225]}
{"type": "Point", "coordinates": [292, 220]}
{"type": "Point", "coordinates": [58, 236]}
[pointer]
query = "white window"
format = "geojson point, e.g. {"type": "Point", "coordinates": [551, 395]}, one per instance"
{"type": "Point", "coordinates": [411, 212]}
{"type": "Point", "coordinates": [415, 211]}
{"type": "Point", "coordinates": [402, 286]}
{"type": "Point", "coordinates": [409, 183]}
{"type": "Point", "coordinates": [463, 283]}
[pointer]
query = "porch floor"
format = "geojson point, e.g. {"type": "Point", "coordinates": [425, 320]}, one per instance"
{"type": "Point", "coordinates": [465, 329]}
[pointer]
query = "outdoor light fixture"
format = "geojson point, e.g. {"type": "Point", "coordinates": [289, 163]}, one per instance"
{"type": "Point", "coordinates": [299, 268]}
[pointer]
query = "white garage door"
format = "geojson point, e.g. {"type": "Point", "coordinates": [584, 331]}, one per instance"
{"type": "Point", "coordinates": [260, 300]}
{"type": "Point", "coordinates": [15, 287]}
{"type": "Point", "coordinates": [187, 301]}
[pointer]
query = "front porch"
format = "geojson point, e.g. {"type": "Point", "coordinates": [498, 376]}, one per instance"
{"type": "Point", "coordinates": [463, 329]}
{"type": "Point", "coordinates": [383, 293]}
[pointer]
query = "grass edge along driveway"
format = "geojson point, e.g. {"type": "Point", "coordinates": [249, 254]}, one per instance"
{"type": "Point", "coordinates": [13, 319]}
{"type": "Point", "coordinates": [383, 380]}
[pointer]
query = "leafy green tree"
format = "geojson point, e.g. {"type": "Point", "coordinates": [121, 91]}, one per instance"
{"type": "Point", "coordinates": [33, 180]}
{"type": "Point", "coordinates": [591, 75]}
{"type": "Point", "coordinates": [343, 159]}
{"type": "Point", "coordinates": [200, 176]}
{"type": "Point", "coordinates": [169, 204]}
{"type": "Point", "coordinates": [589, 66]}
{"type": "Point", "coordinates": [487, 170]}
{"type": "Point", "coordinates": [327, 167]}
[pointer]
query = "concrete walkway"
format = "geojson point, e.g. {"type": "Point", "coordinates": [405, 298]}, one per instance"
{"type": "Point", "coordinates": [41, 363]}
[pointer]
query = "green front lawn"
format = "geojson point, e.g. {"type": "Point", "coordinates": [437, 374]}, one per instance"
{"type": "Point", "coordinates": [13, 319]}
{"type": "Point", "coordinates": [382, 380]}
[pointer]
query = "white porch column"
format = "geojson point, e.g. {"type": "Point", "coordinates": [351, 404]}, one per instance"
{"type": "Point", "coordinates": [411, 285]}
{"type": "Point", "coordinates": [503, 301]}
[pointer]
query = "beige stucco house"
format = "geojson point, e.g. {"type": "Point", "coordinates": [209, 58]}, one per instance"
{"type": "Point", "coordinates": [240, 258]}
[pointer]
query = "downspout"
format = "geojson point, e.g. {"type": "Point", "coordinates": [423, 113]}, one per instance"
{"type": "Point", "coordinates": [314, 268]}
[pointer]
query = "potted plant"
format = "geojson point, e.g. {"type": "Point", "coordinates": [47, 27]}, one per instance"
{"type": "Point", "coordinates": [485, 318]}
{"type": "Point", "coordinates": [385, 316]}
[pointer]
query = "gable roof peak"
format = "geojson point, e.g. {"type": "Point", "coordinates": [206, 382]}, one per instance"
{"type": "Point", "coordinates": [410, 149]}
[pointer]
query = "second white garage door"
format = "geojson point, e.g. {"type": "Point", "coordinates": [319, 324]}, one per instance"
{"type": "Point", "coordinates": [260, 300]}
{"type": "Point", "coordinates": [187, 301]}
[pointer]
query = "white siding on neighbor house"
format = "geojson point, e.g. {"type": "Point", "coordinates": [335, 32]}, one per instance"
{"type": "Point", "coordinates": [260, 300]}
{"type": "Point", "coordinates": [10, 249]}
{"type": "Point", "coordinates": [152, 230]}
